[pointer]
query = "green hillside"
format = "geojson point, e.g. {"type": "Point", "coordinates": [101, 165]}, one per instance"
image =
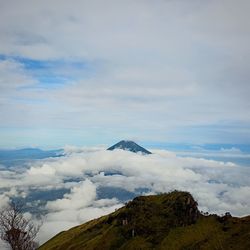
{"type": "Point", "coordinates": [166, 221]}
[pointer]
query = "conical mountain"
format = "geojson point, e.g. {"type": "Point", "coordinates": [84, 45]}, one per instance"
{"type": "Point", "coordinates": [129, 146]}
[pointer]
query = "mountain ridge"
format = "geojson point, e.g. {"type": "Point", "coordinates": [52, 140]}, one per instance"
{"type": "Point", "coordinates": [165, 221]}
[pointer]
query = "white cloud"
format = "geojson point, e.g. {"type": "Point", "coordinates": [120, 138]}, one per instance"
{"type": "Point", "coordinates": [80, 196]}
{"type": "Point", "coordinates": [78, 206]}
{"type": "Point", "coordinates": [44, 170]}
{"type": "Point", "coordinates": [217, 186]}
{"type": "Point", "coordinates": [4, 201]}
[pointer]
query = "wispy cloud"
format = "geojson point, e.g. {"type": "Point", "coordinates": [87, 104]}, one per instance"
{"type": "Point", "coordinates": [169, 65]}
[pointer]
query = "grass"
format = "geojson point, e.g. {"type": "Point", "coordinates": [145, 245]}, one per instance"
{"type": "Point", "coordinates": [167, 221]}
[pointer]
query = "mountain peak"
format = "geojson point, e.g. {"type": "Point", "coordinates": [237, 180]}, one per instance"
{"type": "Point", "coordinates": [129, 146]}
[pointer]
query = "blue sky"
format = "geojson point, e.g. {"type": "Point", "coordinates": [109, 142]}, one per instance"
{"type": "Point", "coordinates": [156, 72]}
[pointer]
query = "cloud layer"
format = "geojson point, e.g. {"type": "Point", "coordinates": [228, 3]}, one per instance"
{"type": "Point", "coordinates": [83, 174]}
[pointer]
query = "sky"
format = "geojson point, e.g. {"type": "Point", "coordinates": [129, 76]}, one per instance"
{"type": "Point", "coordinates": [94, 72]}
{"type": "Point", "coordinates": [166, 73]}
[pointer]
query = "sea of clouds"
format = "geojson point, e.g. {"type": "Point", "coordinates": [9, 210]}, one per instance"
{"type": "Point", "coordinates": [217, 186]}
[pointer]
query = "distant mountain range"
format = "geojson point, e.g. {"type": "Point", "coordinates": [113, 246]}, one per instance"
{"type": "Point", "coordinates": [129, 146]}
{"type": "Point", "coordinates": [18, 157]}
{"type": "Point", "coordinates": [28, 153]}
{"type": "Point", "coordinates": [166, 221]}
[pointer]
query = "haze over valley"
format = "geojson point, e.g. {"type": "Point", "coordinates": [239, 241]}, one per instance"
{"type": "Point", "coordinates": [74, 185]}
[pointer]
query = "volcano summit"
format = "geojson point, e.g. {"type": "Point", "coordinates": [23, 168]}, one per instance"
{"type": "Point", "coordinates": [129, 146]}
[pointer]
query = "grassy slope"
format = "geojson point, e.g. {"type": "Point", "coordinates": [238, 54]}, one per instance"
{"type": "Point", "coordinates": [160, 222]}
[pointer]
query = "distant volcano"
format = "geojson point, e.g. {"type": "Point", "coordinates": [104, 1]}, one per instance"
{"type": "Point", "coordinates": [129, 146]}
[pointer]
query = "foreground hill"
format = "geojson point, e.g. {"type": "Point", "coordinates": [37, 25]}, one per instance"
{"type": "Point", "coordinates": [166, 221]}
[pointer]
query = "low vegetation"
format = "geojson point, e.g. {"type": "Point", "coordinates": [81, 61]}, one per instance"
{"type": "Point", "coordinates": [166, 221]}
